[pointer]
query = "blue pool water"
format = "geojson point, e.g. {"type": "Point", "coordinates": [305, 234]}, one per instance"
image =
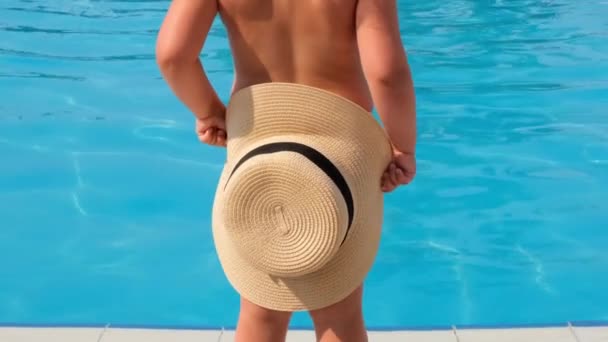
{"type": "Point", "coordinates": [105, 191]}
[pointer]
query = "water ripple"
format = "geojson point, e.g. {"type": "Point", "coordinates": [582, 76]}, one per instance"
{"type": "Point", "coordinates": [42, 76]}
{"type": "Point", "coordinates": [89, 13]}
{"type": "Point", "coordinates": [43, 10]}
{"type": "Point", "coordinates": [31, 54]}
{"type": "Point", "coordinates": [33, 29]}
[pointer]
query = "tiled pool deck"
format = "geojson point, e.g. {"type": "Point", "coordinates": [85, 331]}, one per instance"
{"type": "Point", "coordinates": [589, 332]}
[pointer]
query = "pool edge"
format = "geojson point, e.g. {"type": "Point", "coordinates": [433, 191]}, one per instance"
{"type": "Point", "coordinates": [581, 324]}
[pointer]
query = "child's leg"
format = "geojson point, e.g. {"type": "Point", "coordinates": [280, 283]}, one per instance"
{"type": "Point", "coordinates": [260, 324]}
{"type": "Point", "coordinates": [341, 322]}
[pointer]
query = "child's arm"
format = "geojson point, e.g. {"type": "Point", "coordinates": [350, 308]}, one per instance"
{"type": "Point", "coordinates": [387, 71]}
{"type": "Point", "coordinates": [180, 41]}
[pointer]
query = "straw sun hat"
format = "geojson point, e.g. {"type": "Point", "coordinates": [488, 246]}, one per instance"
{"type": "Point", "coordinates": [298, 210]}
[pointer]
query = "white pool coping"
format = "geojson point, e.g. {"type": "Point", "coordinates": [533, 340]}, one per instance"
{"type": "Point", "coordinates": [566, 333]}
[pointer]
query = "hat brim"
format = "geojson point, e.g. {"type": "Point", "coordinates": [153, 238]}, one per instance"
{"type": "Point", "coordinates": [351, 138]}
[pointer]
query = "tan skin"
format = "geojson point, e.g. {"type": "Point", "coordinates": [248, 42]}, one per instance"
{"type": "Point", "coordinates": [350, 47]}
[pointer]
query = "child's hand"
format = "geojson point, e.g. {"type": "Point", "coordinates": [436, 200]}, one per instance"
{"type": "Point", "coordinates": [212, 130]}
{"type": "Point", "coordinates": [401, 171]}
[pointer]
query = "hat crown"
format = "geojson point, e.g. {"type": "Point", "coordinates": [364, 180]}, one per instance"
{"type": "Point", "coordinates": [285, 216]}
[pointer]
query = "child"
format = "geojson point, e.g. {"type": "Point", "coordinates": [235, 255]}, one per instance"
{"type": "Point", "coordinates": [351, 48]}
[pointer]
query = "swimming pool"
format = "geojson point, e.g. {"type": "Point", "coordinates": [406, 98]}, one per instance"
{"type": "Point", "coordinates": [105, 191]}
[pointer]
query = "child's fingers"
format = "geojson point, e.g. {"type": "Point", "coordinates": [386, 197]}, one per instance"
{"type": "Point", "coordinates": [213, 136]}
{"type": "Point", "coordinates": [389, 187]}
{"type": "Point", "coordinates": [384, 181]}
{"type": "Point", "coordinates": [401, 177]}
{"type": "Point", "coordinates": [387, 184]}
{"type": "Point", "coordinates": [393, 174]}
{"type": "Point", "coordinates": [221, 137]}
{"type": "Point", "coordinates": [208, 136]}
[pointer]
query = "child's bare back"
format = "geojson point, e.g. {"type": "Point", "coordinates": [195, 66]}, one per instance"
{"type": "Point", "coordinates": [307, 42]}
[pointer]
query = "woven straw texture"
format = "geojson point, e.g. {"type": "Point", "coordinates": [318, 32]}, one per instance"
{"type": "Point", "coordinates": [279, 221]}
